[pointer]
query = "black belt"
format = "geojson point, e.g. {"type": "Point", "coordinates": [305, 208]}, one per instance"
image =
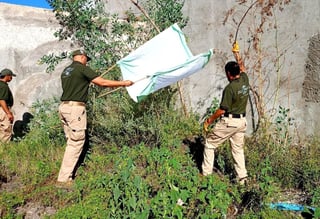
{"type": "Point", "coordinates": [238, 116]}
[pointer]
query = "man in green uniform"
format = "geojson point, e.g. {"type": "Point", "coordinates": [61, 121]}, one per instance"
{"type": "Point", "coordinates": [6, 102]}
{"type": "Point", "coordinates": [232, 123]}
{"type": "Point", "coordinates": [76, 79]}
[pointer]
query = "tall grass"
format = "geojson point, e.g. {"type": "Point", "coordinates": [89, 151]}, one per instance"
{"type": "Point", "coordinates": [152, 176]}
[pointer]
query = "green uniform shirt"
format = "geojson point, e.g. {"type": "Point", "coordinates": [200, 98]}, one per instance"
{"type": "Point", "coordinates": [5, 93]}
{"type": "Point", "coordinates": [235, 95]}
{"type": "Point", "coordinates": [75, 81]}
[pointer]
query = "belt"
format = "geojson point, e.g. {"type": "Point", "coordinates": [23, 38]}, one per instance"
{"type": "Point", "coordinates": [238, 116]}
{"type": "Point", "coordinates": [74, 103]}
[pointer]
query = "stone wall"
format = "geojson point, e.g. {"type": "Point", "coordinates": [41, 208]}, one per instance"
{"type": "Point", "coordinates": [288, 57]}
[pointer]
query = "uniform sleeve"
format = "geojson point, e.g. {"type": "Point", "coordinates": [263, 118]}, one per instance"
{"type": "Point", "coordinates": [90, 74]}
{"type": "Point", "coordinates": [244, 76]}
{"type": "Point", "coordinates": [4, 94]}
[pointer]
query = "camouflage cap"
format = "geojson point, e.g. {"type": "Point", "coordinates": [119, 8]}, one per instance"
{"type": "Point", "coordinates": [6, 71]}
{"type": "Point", "coordinates": [80, 52]}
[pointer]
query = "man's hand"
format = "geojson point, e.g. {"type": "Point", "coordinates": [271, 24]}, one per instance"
{"type": "Point", "coordinates": [10, 116]}
{"type": "Point", "coordinates": [206, 125]}
{"type": "Point", "coordinates": [128, 83]}
{"type": "Point", "coordinates": [235, 47]}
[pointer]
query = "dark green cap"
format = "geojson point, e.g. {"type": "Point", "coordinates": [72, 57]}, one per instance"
{"type": "Point", "coordinates": [6, 71]}
{"type": "Point", "coordinates": [80, 52]}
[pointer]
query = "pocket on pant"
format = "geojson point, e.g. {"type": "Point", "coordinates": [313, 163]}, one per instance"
{"type": "Point", "coordinates": [79, 117]}
{"type": "Point", "coordinates": [234, 123]}
{"type": "Point", "coordinates": [6, 128]}
{"type": "Point", "coordinates": [77, 135]}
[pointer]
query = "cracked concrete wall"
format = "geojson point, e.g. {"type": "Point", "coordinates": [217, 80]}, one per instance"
{"type": "Point", "coordinates": [287, 65]}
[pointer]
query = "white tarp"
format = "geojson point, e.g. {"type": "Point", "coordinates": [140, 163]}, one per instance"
{"type": "Point", "coordinates": [160, 62]}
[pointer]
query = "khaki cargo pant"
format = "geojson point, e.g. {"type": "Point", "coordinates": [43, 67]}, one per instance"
{"type": "Point", "coordinates": [5, 127]}
{"type": "Point", "coordinates": [227, 128]}
{"type": "Point", "coordinates": [74, 120]}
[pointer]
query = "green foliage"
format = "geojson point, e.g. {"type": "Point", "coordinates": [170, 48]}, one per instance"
{"type": "Point", "coordinates": [283, 122]}
{"type": "Point", "coordinates": [212, 108]}
{"type": "Point", "coordinates": [317, 213]}
{"type": "Point", "coordinates": [148, 183]}
{"type": "Point", "coordinates": [52, 60]}
{"type": "Point", "coordinates": [166, 12]}
{"type": "Point", "coordinates": [77, 19]}
{"type": "Point", "coordinates": [85, 24]}
{"type": "Point", "coordinates": [291, 163]}
{"type": "Point", "coordinates": [119, 120]}
{"type": "Point", "coordinates": [37, 147]}
{"type": "Point", "coordinates": [210, 111]}
{"type": "Point", "coordinates": [8, 201]}
{"type": "Point", "coordinates": [45, 126]}
{"type": "Point", "coordinates": [316, 197]}
{"type": "Point", "coordinates": [144, 180]}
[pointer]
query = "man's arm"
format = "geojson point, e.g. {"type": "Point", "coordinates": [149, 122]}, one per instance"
{"type": "Point", "coordinates": [236, 50]}
{"type": "Point", "coordinates": [219, 112]}
{"type": "Point", "coordinates": [6, 109]}
{"type": "Point", "coordinates": [110, 83]}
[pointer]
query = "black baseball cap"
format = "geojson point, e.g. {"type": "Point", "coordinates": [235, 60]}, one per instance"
{"type": "Point", "coordinates": [6, 71]}
{"type": "Point", "coordinates": [80, 52]}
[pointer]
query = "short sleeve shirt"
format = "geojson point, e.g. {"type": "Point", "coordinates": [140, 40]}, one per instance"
{"type": "Point", "coordinates": [5, 93]}
{"type": "Point", "coordinates": [75, 81]}
{"type": "Point", "coordinates": [235, 95]}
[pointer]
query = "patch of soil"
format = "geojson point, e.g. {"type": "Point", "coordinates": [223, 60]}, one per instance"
{"type": "Point", "coordinates": [31, 210]}
{"type": "Point", "coordinates": [35, 211]}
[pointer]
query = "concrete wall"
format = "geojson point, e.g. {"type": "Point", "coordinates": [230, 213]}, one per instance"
{"type": "Point", "coordinates": [26, 34]}
{"type": "Point", "coordinates": [289, 53]}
